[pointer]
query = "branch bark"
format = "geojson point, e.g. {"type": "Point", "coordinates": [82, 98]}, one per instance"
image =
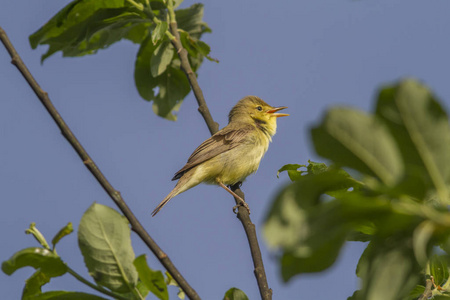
{"type": "Point", "coordinates": [90, 164]}
{"type": "Point", "coordinates": [243, 216]}
{"type": "Point", "coordinates": [428, 293]}
{"type": "Point", "coordinates": [186, 67]}
{"type": "Point", "coordinates": [250, 231]}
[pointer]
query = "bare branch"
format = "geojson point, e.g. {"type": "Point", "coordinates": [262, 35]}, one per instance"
{"type": "Point", "coordinates": [186, 67]}
{"type": "Point", "coordinates": [249, 227]}
{"type": "Point", "coordinates": [428, 290]}
{"type": "Point", "coordinates": [113, 193]}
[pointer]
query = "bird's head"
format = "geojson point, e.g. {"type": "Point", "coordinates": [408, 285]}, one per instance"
{"type": "Point", "coordinates": [253, 110]}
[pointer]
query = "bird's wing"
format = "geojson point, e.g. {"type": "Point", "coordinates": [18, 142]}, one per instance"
{"type": "Point", "coordinates": [222, 141]}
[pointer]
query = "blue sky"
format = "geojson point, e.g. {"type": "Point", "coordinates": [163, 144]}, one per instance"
{"type": "Point", "coordinates": [307, 55]}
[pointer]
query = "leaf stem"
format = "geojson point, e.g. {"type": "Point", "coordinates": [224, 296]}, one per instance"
{"type": "Point", "coordinates": [137, 5]}
{"type": "Point", "coordinates": [114, 194]}
{"type": "Point", "coordinates": [155, 20]}
{"type": "Point", "coordinates": [95, 287]}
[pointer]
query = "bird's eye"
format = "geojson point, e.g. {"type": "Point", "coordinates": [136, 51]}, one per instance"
{"type": "Point", "coordinates": [259, 108]}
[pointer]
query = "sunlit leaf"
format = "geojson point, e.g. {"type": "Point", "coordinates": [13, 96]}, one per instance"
{"type": "Point", "coordinates": [173, 88]}
{"type": "Point", "coordinates": [439, 266]}
{"type": "Point", "coordinates": [171, 281]}
{"type": "Point", "coordinates": [145, 82]}
{"type": "Point", "coordinates": [360, 141]}
{"type": "Point", "coordinates": [390, 271]}
{"type": "Point", "coordinates": [66, 230]}
{"type": "Point", "coordinates": [84, 27]}
{"type": "Point", "coordinates": [235, 294]}
{"type": "Point", "coordinates": [34, 283]}
{"type": "Point", "coordinates": [38, 258]}
{"type": "Point", "coordinates": [104, 240]}
{"type": "Point", "coordinates": [420, 126]}
{"type": "Point", "coordinates": [159, 32]}
{"type": "Point", "coordinates": [421, 238]}
{"type": "Point", "coordinates": [166, 90]}
{"type": "Point", "coordinates": [161, 58]}
{"type": "Point", "coordinates": [37, 235]}
{"type": "Point", "coordinates": [72, 14]}
{"type": "Point", "coordinates": [415, 293]}
{"type": "Point", "coordinates": [311, 230]}
{"type": "Point", "coordinates": [191, 20]}
{"type": "Point", "coordinates": [153, 280]}
{"type": "Point", "coordinates": [292, 170]}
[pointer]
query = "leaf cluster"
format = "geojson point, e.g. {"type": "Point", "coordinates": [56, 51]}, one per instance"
{"type": "Point", "coordinates": [105, 243]}
{"type": "Point", "coordinates": [85, 26]}
{"type": "Point", "coordinates": [397, 199]}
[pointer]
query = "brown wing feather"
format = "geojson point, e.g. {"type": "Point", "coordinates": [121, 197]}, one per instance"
{"type": "Point", "coordinates": [224, 140]}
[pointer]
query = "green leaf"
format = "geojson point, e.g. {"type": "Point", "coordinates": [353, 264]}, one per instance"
{"type": "Point", "coordinates": [439, 269]}
{"type": "Point", "coordinates": [362, 232]}
{"type": "Point", "coordinates": [309, 228]}
{"type": "Point", "coordinates": [191, 20]}
{"type": "Point", "coordinates": [37, 235]}
{"type": "Point", "coordinates": [235, 294]}
{"type": "Point", "coordinates": [205, 49]}
{"type": "Point", "coordinates": [421, 238]}
{"type": "Point", "coordinates": [287, 223]}
{"type": "Point", "coordinates": [161, 58]}
{"type": "Point", "coordinates": [390, 271]}
{"type": "Point", "coordinates": [420, 126]}
{"type": "Point", "coordinates": [360, 141]}
{"type": "Point", "coordinates": [64, 295]}
{"type": "Point", "coordinates": [159, 32]}
{"type": "Point", "coordinates": [293, 172]}
{"type": "Point", "coordinates": [104, 240]}
{"type": "Point", "coordinates": [415, 293]}
{"type": "Point", "coordinates": [195, 48]}
{"type": "Point", "coordinates": [145, 82]}
{"type": "Point", "coordinates": [39, 258]}
{"type": "Point", "coordinates": [171, 281]}
{"type": "Point", "coordinates": [72, 14]}
{"type": "Point", "coordinates": [142, 289]}
{"type": "Point", "coordinates": [153, 280]}
{"type": "Point", "coordinates": [173, 85]}
{"type": "Point", "coordinates": [316, 168]}
{"type": "Point", "coordinates": [100, 29]}
{"type": "Point", "coordinates": [34, 283]}
{"type": "Point", "coordinates": [173, 88]}
{"type": "Point", "coordinates": [355, 295]}
{"type": "Point", "coordinates": [66, 230]}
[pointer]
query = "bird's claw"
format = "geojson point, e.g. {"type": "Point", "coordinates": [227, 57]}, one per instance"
{"type": "Point", "coordinates": [242, 203]}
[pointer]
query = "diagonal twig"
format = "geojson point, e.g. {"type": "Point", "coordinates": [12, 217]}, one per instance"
{"type": "Point", "coordinates": [243, 216]}
{"type": "Point", "coordinates": [113, 193]}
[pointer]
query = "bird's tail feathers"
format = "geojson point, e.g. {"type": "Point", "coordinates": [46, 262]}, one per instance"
{"type": "Point", "coordinates": [172, 194]}
{"type": "Point", "coordinates": [161, 205]}
{"type": "Point", "coordinates": [183, 184]}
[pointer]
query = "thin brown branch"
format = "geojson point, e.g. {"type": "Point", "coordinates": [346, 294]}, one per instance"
{"type": "Point", "coordinates": [250, 231]}
{"type": "Point", "coordinates": [428, 290]}
{"type": "Point", "coordinates": [113, 193]}
{"type": "Point", "coordinates": [186, 67]}
{"type": "Point", "coordinates": [243, 216]}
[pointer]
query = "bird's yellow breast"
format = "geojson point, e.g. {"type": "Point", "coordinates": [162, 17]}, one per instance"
{"type": "Point", "coordinates": [236, 164]}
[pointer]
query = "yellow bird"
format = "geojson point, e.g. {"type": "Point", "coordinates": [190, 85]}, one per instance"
{"type": "Point", "coordinates": [233, 153]}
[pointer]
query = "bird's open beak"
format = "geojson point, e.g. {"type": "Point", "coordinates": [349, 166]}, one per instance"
{"type": "Point", "coordinates": [273, 111]}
